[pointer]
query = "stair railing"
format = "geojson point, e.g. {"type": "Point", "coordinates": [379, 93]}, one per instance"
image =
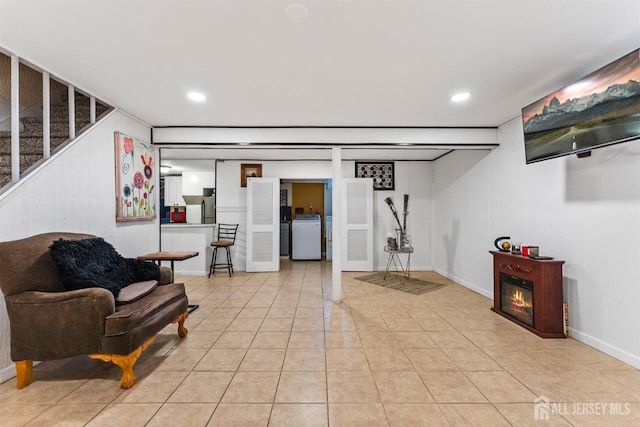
{"type": "Point", "coordinates": [46, 120]}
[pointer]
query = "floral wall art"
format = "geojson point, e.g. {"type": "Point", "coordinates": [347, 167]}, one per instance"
{"type": "Point", "coordinates": [135, 178]}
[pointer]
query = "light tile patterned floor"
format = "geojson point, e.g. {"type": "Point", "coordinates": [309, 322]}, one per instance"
{"type": "Point", "coordinates": [272, 349]}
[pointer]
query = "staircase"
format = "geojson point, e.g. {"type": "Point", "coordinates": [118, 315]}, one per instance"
{"type": "Point", "coordinates": [31, 140]}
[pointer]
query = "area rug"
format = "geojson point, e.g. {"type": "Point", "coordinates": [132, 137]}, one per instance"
{"type": "Point", "coordinates": [399, 283]}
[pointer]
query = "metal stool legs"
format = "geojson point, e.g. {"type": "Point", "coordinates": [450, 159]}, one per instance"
{"type": "Point", "coordinates": [218, 266]}
{"type": "Point", "coordinates": [226, 239]}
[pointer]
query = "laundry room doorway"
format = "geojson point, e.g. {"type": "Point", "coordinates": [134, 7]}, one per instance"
{"type": "Point", "coordinates": [307, 198]}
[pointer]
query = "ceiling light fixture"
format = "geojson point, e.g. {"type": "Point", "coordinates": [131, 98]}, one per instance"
{"type": "Point", "coordinates": [196, 96]}
{"type": "Point", "coordinates": [459, 97]}
{"type": "Point", "coordinates": [164, 169]}
{"type": "Point", "coordinates": [296, 12]}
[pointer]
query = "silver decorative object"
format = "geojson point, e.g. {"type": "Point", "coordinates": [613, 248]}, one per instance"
{"type": "Point", "coordinates": [403, 240]}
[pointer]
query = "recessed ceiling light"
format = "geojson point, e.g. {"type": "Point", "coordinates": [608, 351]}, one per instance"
{"type": "Point", "coordinates": [459, 97]}
{"type": "Point", "coordinates": [296, 12]}
{"type": "Point", "coordinates": [196, 96]}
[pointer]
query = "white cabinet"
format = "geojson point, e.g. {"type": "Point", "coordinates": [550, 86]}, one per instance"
{"type": "Point", "coordinates": [193, 182]}
{"type": "Point", "coordinates": [173, 191]}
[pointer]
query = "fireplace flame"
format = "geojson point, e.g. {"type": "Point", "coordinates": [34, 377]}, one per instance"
{"type": "Point", "coordinates": [518, 300]}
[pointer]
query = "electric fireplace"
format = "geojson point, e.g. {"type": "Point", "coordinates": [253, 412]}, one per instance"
{"type": "Point", "coordinates": [528, 292]}
{"type": "Point", "coordinates": [516, 298]}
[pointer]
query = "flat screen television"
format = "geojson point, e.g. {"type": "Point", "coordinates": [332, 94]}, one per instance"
{"type": "Point", "coordinates": [601, 109]}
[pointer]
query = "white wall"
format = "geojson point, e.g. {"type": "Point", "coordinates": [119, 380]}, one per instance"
{"type": "Point", "coordinates": [583, 211]}
{"type": "Point", "coordinates": [75, 192]}
{"type": "Point", "coordinates": [461, 219]}
{"type": "Point", "coordinates": [413, 178]}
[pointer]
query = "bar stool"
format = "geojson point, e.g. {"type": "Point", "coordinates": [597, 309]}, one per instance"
{"type": "Point", "coordinates": [226, 239]}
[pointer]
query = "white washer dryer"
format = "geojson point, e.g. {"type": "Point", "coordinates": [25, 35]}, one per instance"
{"type": "Point", "coordinates": [305, 238]}
{"type": "Point", "coordinates": [328, 234]}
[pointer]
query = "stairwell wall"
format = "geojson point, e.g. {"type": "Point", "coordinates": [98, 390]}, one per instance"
{"type": "Point", "coordinates": [74, 192]}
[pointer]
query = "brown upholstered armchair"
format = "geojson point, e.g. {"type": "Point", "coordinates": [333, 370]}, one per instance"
{"type": "Point", "coordinates": [48, 322]}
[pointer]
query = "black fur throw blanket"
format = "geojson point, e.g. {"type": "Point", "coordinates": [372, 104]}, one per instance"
{"type": "Point", "coordinates": [93, 262]}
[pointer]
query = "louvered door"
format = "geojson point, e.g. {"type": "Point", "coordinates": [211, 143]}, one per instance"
{"type": "Point", "coordinates": [263, 224]}
{"type": "Point", "coordinates": [357, 224]}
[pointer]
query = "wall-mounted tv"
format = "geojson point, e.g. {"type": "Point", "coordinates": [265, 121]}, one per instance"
{"type": "Point", "coordinates": [601, 109]}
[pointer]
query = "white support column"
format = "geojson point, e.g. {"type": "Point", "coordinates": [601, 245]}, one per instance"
{"type": "Point", "coordinates": [15, 118]}
{"type": "Point", "coordinates": [92, 109]}
{"type": "Point", "coordinates": [336, 200]}
{"type": "Point", "coordinates": [72, 112]}
{"type": "Point", "coordinates": [46, 115]}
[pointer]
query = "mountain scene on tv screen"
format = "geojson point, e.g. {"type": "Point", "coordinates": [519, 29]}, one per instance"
{"type": "Point", "coordinates": [580, 123]}
{"type": "Point", "coordinates": [560, 123]}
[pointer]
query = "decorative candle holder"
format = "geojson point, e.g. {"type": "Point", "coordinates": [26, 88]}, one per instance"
{"type": "Point", "coordinates": [404, 240]}
{"type": "Point", "coordinates": [392, 244]}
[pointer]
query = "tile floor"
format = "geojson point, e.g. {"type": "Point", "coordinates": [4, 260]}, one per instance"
{"type": "Point", "coordinates": [272, 349]}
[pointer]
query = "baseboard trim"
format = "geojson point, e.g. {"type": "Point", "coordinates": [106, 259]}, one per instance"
{"type": "Point", "coordinates": [7, 373]}
{"type": "Point", "coordinates": [466, 284]}
{"type": "Point", "coordinates": [609, 349]}
{"type": "Point", "coordinates": [613, 351]}
{"type": "Point", "coordinates": [10, 371]}
{"type": "Point", "coordinates": [414, 268]}
{"type": "Point", "coordinates": [191, 273]}
{"type": "Point", "coordinates": [205, 273]}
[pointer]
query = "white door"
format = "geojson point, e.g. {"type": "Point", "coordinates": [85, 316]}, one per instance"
{"type": "Point", "coordinates": [263, 224]}
{"type": "Point", "coordinates": [357, 224]}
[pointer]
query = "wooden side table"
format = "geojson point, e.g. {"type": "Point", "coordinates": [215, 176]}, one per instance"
{"type": "Point", "coordinates": [168, 256]}
{"type": "Point", "coordinates": [394, 258]}
{"type": "Point", "coordinates": [171, 256]}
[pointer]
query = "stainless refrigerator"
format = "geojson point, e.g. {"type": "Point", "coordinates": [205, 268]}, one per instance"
{"type": "Point", "coordinates": [207, 204]}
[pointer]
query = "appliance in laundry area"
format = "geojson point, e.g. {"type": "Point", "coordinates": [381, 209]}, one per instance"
{"type": "Point", "coordinates": [305, 237]}
{"type": "Point", "coordinates": [284, 238]}
{"type": "Point", "coordinates": [328, 234]}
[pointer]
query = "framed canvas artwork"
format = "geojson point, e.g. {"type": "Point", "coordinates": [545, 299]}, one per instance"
{"type": "Point", "coordinates": [135, 179]}
{"type": "Point", "coordinates": [249, 170]}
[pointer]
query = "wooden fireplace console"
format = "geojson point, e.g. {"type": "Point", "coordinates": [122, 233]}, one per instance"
{"type": "Point", "coordinates": [546, 275]}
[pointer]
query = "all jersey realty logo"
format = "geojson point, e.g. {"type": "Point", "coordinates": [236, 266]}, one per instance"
{"type": "Point", "coordinates": [543, 408]}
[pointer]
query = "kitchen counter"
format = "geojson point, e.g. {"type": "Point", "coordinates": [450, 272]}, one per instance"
{"type": "Point", "coordinates": [185, 225]}
{"type": "Point", "coordinates": [187, 237]}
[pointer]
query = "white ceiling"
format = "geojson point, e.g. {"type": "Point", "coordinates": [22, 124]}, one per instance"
{"type": "Point", "coordinates": [320, 62]}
